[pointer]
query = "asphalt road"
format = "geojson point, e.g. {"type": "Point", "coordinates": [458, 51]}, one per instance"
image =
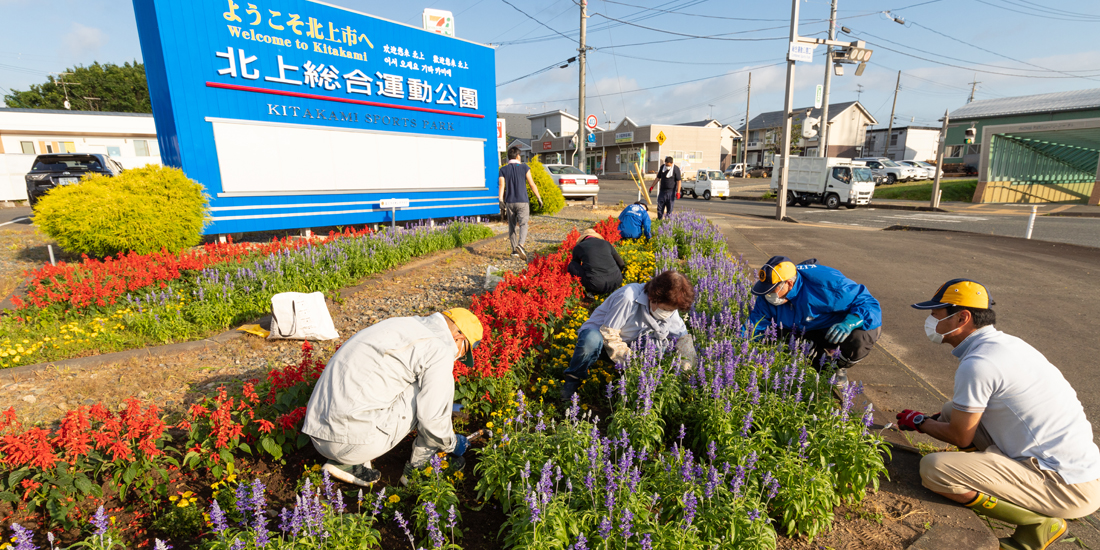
{"type": "Point", "coordinates": [1007, 221]}
{"type": "Point", "coordinates": [19, 215]}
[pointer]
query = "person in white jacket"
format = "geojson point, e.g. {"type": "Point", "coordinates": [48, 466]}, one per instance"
{"type": "Point", "coordinates": [387, 380]}
{"type": "Point", "coordinates": [633, 311]}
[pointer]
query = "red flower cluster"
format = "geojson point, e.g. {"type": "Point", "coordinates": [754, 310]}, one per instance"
{"type": "Point", "coordinates": [119, 435]}
{"type": "Point", "coordinates": [518, 311]}
{"type": "Point", "coordinates": [101, 282]}
{"type": "Point", "coordinates": [609, 230]}
{"type": "Point", "coordinates": [307, 371]}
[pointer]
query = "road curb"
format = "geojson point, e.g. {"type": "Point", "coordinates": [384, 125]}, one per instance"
{"type": "Point", "coordinates": [84, 363]}
{"type": "Point", "coordinates": [1072, 215]}
{"type": "Point", "coordinates": [905, 207]}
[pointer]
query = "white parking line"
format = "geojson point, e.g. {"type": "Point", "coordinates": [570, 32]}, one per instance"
{"type": "Point", "coordinates": [15, 220]}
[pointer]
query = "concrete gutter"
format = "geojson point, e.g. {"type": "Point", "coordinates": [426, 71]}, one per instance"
{"type": "Point", "coordinates": [218, 340]}
{"type": "Point", "coordinates": [874, 204]}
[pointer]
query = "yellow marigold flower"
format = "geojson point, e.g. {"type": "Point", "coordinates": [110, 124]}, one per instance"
{"type": "Point", "coordinates": [173, 498]}
{"type": "Point", "coordinates": [489, 424]}
{"type": "Point", "coordinates": [394, 499]}
{"type": "Point", "coordinates": [183, 504]}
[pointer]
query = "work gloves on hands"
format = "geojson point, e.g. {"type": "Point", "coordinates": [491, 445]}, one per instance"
{"type": "Point", "coordinates": [842, 330]}
{"type": "Point", "coordinates": [540, 203]}
{"type": "Point", "coordinates": [909, 420]}
{"type": "Point", "coordinates": [461, 444]}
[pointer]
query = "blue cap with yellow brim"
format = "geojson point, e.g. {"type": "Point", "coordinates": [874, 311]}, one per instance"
{"type": "Point", "coordinates": [959, 292]}
{"type": "Point", "coordinates": [777, 270]}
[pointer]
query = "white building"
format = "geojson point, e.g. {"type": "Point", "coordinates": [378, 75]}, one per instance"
{"type": "Point", "coordinates": [906, 143]}
{"type": "Point", "coordinates": [129, 138]}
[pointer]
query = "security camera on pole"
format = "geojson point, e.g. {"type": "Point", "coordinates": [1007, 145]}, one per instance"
{"type": "Point", "coordinates": [802, 49]}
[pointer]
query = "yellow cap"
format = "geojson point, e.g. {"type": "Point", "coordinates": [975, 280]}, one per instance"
{"type": "Point", "coordinates": [467, 323]}
{"type": "Point", "coordinates": [959, 292]}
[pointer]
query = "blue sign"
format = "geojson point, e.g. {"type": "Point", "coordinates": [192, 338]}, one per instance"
{"type": "Point", "coordinates": [295, 113]}
{"type": "Point", "coordinates": [591, 138]}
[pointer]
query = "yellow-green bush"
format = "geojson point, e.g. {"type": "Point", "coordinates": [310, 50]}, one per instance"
{"type": "Point", "coordinates": [141, 210]}
{"type": "Point", "coordinates": [552, 199]}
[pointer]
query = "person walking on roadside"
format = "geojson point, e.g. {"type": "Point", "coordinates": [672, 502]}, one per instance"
{"type": "Point", "coordinates": [633, 311]}
{"type": "Point", "coordinates": [597, 264]}
{"type": "Point", "coordinates": [634, 222]}
{"type": "Point", "coordinates": [385, 381]}
{"type": "Point", "coordinates": [669, 178]}
{"type": "Point", "coordinates": [1029, 458]}
{"type": "Point", "coordinates": [515, 178]}
{"type": "Point", "coordinates": [830, 310]}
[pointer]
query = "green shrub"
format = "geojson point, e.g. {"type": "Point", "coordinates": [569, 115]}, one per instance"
{"type": "Point", "coordinates": [552, 199]}
{"type": "Point", "coordinates": [142, 210]}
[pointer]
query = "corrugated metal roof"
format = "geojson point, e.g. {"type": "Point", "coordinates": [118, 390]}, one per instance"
{"type": "Point", "coordinates": [65, 112]}
{"type": "Point", "coordinates": [774, 119]}
{"type": "Point", "coordinates": [1040, 103]}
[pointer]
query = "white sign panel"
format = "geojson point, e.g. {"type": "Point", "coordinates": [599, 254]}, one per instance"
{"type": "Point", "coordinates": [394, 203]}
{"type": "Point", "coordinates": [502, 136]}
{"type": "Point", "coordinates": [590, 121]}
{"type": "Point", "coordinates": [624, 137]}
{"type": "Point", "coordinates": [439, 22]}
{"type": "Point", "coordinates": [818, 95]}
{"type": "Point", "coordinates": [801, 52]}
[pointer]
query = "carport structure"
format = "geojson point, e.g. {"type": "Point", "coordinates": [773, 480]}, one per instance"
{"type": "Point", "coordinates": [1055, 161]}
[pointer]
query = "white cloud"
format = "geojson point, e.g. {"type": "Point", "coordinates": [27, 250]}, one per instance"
{"type": "Point", "coordinates": [84, 40]}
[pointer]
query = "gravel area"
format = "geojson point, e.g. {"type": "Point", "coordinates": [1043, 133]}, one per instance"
{"type": "Point", "coordinates": [173, 382]}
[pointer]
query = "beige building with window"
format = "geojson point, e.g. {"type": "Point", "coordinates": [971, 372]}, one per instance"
{"type": "Point", "coordinates": [848, 124]}
{"type": "Point", "coordinates": [129, 138]}
{"type": "Point", "coordinates": [693, 146]}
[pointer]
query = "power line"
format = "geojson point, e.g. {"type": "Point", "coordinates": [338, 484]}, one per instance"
{"type": "Point", "coordinates": [692, 14]}
{"type": "Point", "coordinates": [714, 37]}
{"type": "Point", "coordinates": [1032, 13]}
{"type": "Point", "coordinates": [540, 71]}
{"type": "Point", "coordinates": [535, 20]}
{"type": "Point", "coordinates": [661, 85]}
{"type": "Point", "coordinates": [640, 16]}
{"type": "Point", "coordinates": [615, 60]}
{"type": "Point", "coordinates": [674, 61]}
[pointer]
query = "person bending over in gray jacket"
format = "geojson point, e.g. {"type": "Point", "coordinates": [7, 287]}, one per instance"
{"type": "Point", "coordinates": [389, 379]}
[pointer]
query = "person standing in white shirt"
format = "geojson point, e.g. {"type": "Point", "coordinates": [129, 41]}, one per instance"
{"type": "Point", "coordinates": [1028, 457]}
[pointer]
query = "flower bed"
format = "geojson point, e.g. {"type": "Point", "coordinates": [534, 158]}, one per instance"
{"type": "Point", "coordinates": [747, 444]}
{"type": "Point", "coordinates": [134, 301]}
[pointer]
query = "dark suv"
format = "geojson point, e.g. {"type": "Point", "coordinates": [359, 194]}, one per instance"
{"type": "Point", "coordinates": [56, 169]}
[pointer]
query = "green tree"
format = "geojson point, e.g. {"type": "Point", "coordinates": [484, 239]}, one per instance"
{"type": "Point", "coordinates": [552, 199]}
{"type": "Point", "coordinates": [120, 88]}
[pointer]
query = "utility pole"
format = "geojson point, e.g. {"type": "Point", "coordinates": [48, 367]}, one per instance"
{"type": "Point", "coordinates": [935, 203]}
{"type": "Point", "coordinates": [745, 137]}
{"type": "Point", "coordinates": [859, 92]}
{"type": "Point", "coordinates": [582, 164]}
{"type": "Point", "coordinates": [788, 108]}
{"type": "Point", "coordinates": [973, 87]}
{"type": "Point", "coordinates": [890, 130]}
{"type": "Point", "coordinates": [65, 86]}
{"type": "Point", "coordinates": [823, 139]}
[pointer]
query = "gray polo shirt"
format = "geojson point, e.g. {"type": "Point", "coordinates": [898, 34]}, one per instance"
{"type": "Point", "coordinates": [1027, 406]}
{"type": "Point", "coordinates": [627, 310]}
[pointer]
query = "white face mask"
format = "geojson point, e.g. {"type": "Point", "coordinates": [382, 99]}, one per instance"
{"type": "Point", "coordinates": [930, 325]}
{"type": "Point", "coordinates": [773, 297]}
{"type": "Point", "coordinates": [662, 314]}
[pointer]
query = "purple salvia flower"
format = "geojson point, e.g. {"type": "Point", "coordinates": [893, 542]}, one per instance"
{"type": "Point", "coordinates": [158, 545]}
{"type": "Point", "coordinates": [690, 504]}
{"type": "Point", "coordinates": [647, 542]}
{"type": "Point", "coordinates": [404, 527]}
{"type": "Point", "coordinates": [100, 521]}
{"type": "Point", "coordinates": [24, 538]}
{"type": "Point", "coordinates": [244, 505]}
{"type": "Point", "coordinates": [626, 525]}
{"type": "Point", "coordinates": [754, 515]}
{"type": "Point", "coordinates": [750, 462]}
{"type": "Point", "coordinates": [771, 484]}
{"type": "Point", "coordinates": [712, 451]}
{"type": "Point", "coordinates": [433, 525]}
{"type": "Point", "coordinates": [605, 528]}
{"type": "Point", "coordinates": [747, 424]}
{"type": "Point", "coordinates": [285, 520]}
{"type": "Point", "coordinates": [452, 517]}
{"type": "Point", "coordinates": [582, 543]}
{"type": "Point", "coordinates": [238, 544]}
{"type": "Point", "coordinates": [683, 432]}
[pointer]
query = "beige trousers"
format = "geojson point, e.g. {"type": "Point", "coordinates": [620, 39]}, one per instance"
{"type": "Point", "coordinates": [1021, 482]}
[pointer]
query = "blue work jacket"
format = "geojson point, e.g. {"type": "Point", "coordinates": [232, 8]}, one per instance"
{"type": "Point", "coordinates": [634, 222]}
{"type": "Point", "coordinates": [821, 298]}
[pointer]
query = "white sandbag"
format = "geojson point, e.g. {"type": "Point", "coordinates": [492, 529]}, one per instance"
{"type": "Point", "coordinates": [300, 316]}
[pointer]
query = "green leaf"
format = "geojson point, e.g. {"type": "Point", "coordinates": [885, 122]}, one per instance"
{"type": "Point", "coordinates": [83, 484]}
{"type": "Point", "coordinates": [9, 496]}
{"type": "Point", "coordinates": [129, 474]}
{"type": "Point", "coordinates": [244, 447]}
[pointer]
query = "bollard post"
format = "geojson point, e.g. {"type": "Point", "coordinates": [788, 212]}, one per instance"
{"type": "Point", "coordinates": [393, 218]}
{"type": "Point", "coordinates": [1031, 220]}
{"type": "Point", "coordinates": [222, 239]}
{"type": "Point", "coordinates": [939, 194]}
{"type": "Point", "coordinates": [52, 260]}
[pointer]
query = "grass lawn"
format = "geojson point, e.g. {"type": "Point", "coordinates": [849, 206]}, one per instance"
{"type": "Point", "coordinates": [960, 191]}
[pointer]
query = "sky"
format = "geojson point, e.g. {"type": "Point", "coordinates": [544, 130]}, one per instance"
{"type": "Point", "coordinates": [669, 61]}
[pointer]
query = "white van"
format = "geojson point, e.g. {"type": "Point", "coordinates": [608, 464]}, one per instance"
{"type": "Point", "coordinates": [828, 181]}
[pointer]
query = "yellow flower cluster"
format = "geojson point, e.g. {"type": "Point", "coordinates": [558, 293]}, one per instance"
{"type": "Point", "coordinates": [505, 414]}
{"type": "Point", "coordinates": [15, 351]}
{"type": "Point", "coordinates": [641, 262]}
{"type": "Point", "coordinates": [185, 499]}
{"type": "Point", "coordinates": [561, 351]}
{"type": "Point", "coordinates": [231, 478]}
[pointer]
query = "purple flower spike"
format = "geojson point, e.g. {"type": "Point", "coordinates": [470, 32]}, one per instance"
{"type": "Point", "coordinates": [100, 521]}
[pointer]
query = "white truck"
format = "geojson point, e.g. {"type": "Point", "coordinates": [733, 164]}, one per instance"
{"type": "Point", "coordinates": [828, 181]}
{"type": "Point", "coordinates": [706, 184]}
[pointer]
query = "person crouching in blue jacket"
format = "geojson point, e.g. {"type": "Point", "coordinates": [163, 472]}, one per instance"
{"type": "Point", "coordinates": [819, 302]}
{"type": "Point", "coordinates": [634, 222]}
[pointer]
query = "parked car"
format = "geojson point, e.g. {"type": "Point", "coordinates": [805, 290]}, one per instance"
{"type": "Point", "coordinates": [573, 182]}
{"type": "Point", "coordinates": [706, 184]}
{"type": "Point", "coordinates": [735, 170]}
{"type": "Point", "coordinates": [930, 167]}
{"type": "Point", "coordinates": [56, 169]}
{"type": "Point", "coordinates": [923, 173]}
{"type": "Point", "coordinates": [761, 172]}
{"type": "Point", "coordinates": [893, 171]}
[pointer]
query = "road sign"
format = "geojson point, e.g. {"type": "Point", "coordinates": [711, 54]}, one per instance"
{"type": "Point", "coordinates": [394, 203]}
{"type": "Point", "coordinates": [591, 138]}
{"type": "Point", "coordinates": [502, 136]}
{"type": "Point", "coordinates": [818, 95]}
{"type": "Point", "coordinates": [661, 138]}
{"type": "Point", "coordinates": [439, 22]}
{"type": "Point", "coordinates": [590, 121]}
{"type": "Point", "coordinates": [801, 52]}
